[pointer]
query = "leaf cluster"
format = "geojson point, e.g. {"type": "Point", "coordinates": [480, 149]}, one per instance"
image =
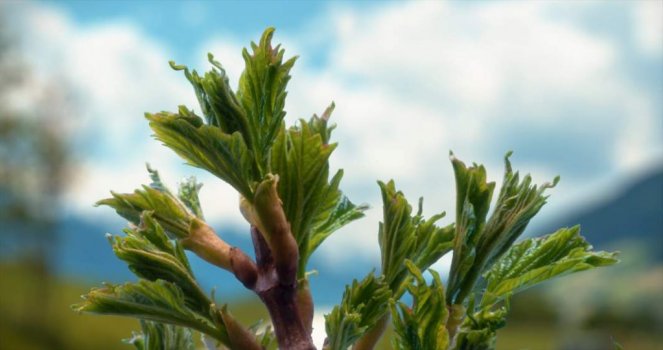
{"type": "Point", "coordinates": [363, 304]}
{"type": "Point", "coordinates": [293, 202]}
{"type": "Point", "coordinates": [159, 336]}
{"type": "Point", "coordinates": [480, 241]}
{"type": "Point", "coordinates": [174, 213]}
{"type": "Point", "coordinates": [422, 326]}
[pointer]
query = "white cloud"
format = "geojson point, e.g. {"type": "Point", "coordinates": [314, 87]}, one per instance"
{"type": "Point", "coordinates": [117, 73]}
{"type": "Point", "coordinates": [648, 20]}
{"type": "Point", "coordinates": [413, 80]}
{"type": "Point", "coordinates": [410, 81]}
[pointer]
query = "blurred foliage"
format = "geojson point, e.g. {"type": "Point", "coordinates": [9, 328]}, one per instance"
{"type": "Point", "coordinates": [55, 326]}
{"type": "Point", "coordinates": [34, 154]}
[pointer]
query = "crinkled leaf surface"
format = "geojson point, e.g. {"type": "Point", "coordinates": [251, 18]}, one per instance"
{"type": "Point", "coordinates": [158, 301]}
{"type": "Point", "coordinates": [405, 236]}
{"type": "Point", "coordinates": [363, 304]}
{"type": "Point", "coordinates": [172, 214]}
{"type": "Point", "coordinates": [422, 326]}
{"type": "Point", "coordinates": [160, 336]}
{"type": "Point", "coordinates": [150, 255]}
{"type": "Point", "coordinates": [314, 205]}
{"type": "Point", "coordinates": [207, 147]}
{"type": "Point", "coordinates": [262, 92]}
{"type": "Point", "coordinates": [535, 260]}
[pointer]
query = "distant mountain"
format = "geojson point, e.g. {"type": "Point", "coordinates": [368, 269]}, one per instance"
{"type": "Point", "coordinates": [635, 213]}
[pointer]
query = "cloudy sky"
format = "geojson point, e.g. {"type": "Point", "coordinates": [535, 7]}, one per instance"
{"type": "Point", "coordinates": [573, 88]}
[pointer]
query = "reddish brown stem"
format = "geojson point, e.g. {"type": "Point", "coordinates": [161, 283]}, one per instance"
{"type": "Point", "coordinates": [279, 297]}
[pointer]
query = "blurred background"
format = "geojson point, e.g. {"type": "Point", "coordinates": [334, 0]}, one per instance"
{"type": "Point", "coordinates": [573, 88]}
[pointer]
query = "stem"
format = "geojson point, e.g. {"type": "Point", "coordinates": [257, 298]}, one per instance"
{"type": "Point", "coordinates": [291, 333]}
{"type": "Point", "coordinates": [371, 338]}
{"type": "Point", "coordinates": [456, 317]}
{"type": "Point", "coordinates": [305, 304]}
{"type": "Point", "coordinates": [280, 298]}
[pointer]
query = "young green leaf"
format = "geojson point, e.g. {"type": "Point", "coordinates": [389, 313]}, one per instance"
{"type": "Point", "coordinates": [160, 336]}
{"type": "Point", "coordinates": [473, 195]}
{"type": "Point", "coordinates": [150, 255]}
{"type": "Point", "coordinates": [535, 260]}
{"type": "Point", "coordinates": [262, 92]}
{"type": "Point", "coordinates": [313, 204]}
{"type": "Point", "coordinates": [217, 101]}
{"type": "Point", "coordinates": [403, 236]}
{"type": "Point", "coordinates": [479, 243]}
{"type": "Point", "coordinates": [172, 214]}
{"type": "Point", "coordinates": [516, 205]}
{"type": "Point", "coordinates": [479, 331]}
{"type": "Point", "coordinates": [158, 301]}
{"type": "Point", "coordinates": [423, 326]}
{"type": "Point", "coordinates": [207, 147]}
{"type": "Point", "coordinates": [188, 195]}
{"type": "Point", "coordinates": [362, 306]}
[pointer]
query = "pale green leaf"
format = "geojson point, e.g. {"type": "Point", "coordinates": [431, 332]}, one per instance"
{"type": "Point", "coordinates": [160, 336]}
{"type": "Point", "coordinates": [262, 93]}
{"type": "Point", "coordinates": [207, 147]}
{"type": "Point", "coordinates": [363, 304]}
{"type": "Point", "coordinates": [535, 260]}
{"type": "Point", "coordinates": [313, 203]}
{"type": "Point", "coordinates": [405, 236]}
{"type": "Point", "coordinates": [150, 255]}
{"type": "Point", "coordinates": [158, 301]}
{"type": "Point", "coordinates": [171, 213]}
{"type": "Point", "coordinates": [422, 326]}
{"type": "Point", "coordinates": [188, 195]}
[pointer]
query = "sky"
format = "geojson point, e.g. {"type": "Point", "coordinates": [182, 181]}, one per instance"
{"type": "Point", "coordinates": [573, 88]}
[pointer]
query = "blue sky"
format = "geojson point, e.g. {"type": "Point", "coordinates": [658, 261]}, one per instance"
{"type": "Point", "coordinates": [571, 87]}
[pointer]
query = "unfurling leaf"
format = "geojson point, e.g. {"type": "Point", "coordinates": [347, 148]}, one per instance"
{"type": "Point", "coordinates": [404, 236]}
{"type": "Point", "coordinates": [473, 195]}
{"type": "Point", "coordinates": [313, 203]}
{"type": "Point", "coordinates": [535, 260]}
{"type": "Point", "coordinates": [479, 243]}
{"type": "Point", "coordinates": [150, 255]}
{"type": "Point", "coordinates": [207, 147]}
{"type": "Point", "coordinates": [188, 194]}
{"type": "Point", "coordinates": [160, 336]}
{"type": "Point", "coordinates": [262, 92]}
{"type": "Point", "coordinates": [363, 304]}
{"type": "Point", "coordinates": [158, 301]}
{"type": "Point", "coordinates": [171, 213]}
{"type": "Point", "coordinates": [422, 326]}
